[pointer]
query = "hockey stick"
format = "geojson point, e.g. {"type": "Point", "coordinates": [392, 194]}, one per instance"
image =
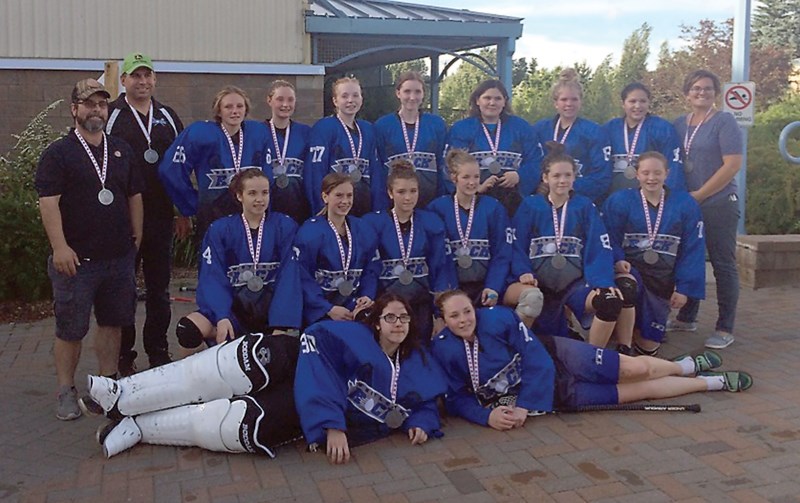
{"type": "Point", "coordinates": [694, 407]}
{"type": "Point", "coordinates": [187, 289]}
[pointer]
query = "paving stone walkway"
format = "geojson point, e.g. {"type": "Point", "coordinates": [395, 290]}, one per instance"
{"type": "Point", "coordinates": [742, 447]}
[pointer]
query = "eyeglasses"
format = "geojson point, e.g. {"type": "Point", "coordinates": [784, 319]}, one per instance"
{"type": "Point", "coordinates": [94, 104]}
{"type": "Point", "coordinates": [698, 89]}
{"type": "Point", "coordinates": [392, 318]}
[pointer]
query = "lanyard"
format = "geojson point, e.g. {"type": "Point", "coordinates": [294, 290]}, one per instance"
{"type": "Point", "coordinates": [461, 234]}
{"type": "Point", "coordinates": [280, 154]}
{"type": "Point", "coordinates": [395, 374]}
{"type": "Point", "coordinates": [145, 131]}
{"type": "Point", "coordinates": [472, 363]}
{"type": "Point", "coordinates": [356, 153]}
{"type": "Point", "coordinates": [687, 140]}
{"type": "Point", "coordinates": [652, 230]}
{"type": "Point", "coordinates": [566, 133]}
{"type": "Point", "coordinates": [237, 159]}
{"type": "Point", "coordinates": [345, 258]}
{"type": "Point", "coordinates": [255, 249]}
{"type": "Point", "coordinates": [631, 149]}
{"type": "Point", "coordinates": [405, 253]}
{"type": "Point", "coordinates": [411, 145]}
{"type": "Point", "coordinates": [101, 172]}
{"type": "Point", "coordinates": [496, 145]}
{"type": "Point", "coordinates": [559, 227]}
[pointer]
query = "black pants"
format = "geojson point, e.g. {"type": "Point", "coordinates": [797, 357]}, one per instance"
{"type": "Point", "coordinates": [155, 257]}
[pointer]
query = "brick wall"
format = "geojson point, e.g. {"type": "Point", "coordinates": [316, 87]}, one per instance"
{"type": "Point", "coordinates": [24, 93]}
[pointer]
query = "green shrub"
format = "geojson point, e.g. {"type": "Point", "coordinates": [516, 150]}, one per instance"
{"type": "Point", "coordinates": [24, 246]}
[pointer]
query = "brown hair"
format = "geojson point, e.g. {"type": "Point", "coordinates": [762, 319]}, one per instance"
{"type": "Point", "coordinates": [217, 103]}
{"type": "Point", "coordinates": [410, 75]}
{"type": "Point", "coordinates": [449, 294]}
{"type": "Point", "coordinates": [277, 84]}
{"type": "Point", "coordinates": [568, 78]}
{"type": "Point", "coordinates": [556, 152]}
{"type": "Point", "coordinates": [696, 75]}
{"type": "Point", "coordinates": [401, 169]}
{"type": "Point", "coordinates": [652, 154]}
{"type": "Point", "coordinates": [236, 186]}
{"type": "Point", "coordinates": [475, 111]}
{"type": "Point", "coordinates": [411, 342]}
{"type": "Point", "coordinates": [330, 182]}
{"type": "Point", "coordinates": [455, 158]}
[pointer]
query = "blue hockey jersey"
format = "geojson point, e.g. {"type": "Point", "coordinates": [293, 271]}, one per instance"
{"type": "Point", "coordinates": [222, 290]}
{"type": "Point", "coordinates": [322, 268]}
{"type": "Point", "coordinates": [291, 199]}
{"type": "Point", "coordinates": [657, 135]}
{"type": "Point", "coordinates": [428, 154]}
{"type": "Point", "coordinates": [589, 146]}
{"type": "Point", "coordinates": [489, 243]}
{"type": "Point", "coordinates": [679, 241]}
{"type": "Point", "coordinates": [511, 361]}
{"type": "Point", "coordinates": [343, 381]}
{"type": "Point", "coordinates": [585, 245]}
{"type": "Point", "coordinates": [518, 151]}
{"type": "Point", "coordinates": [329, 151]}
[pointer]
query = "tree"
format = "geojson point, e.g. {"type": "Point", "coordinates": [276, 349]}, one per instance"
{"type": "Point", "coordinates": [776, 23]}
{"type": "Point", "coordinates": [633, 63]}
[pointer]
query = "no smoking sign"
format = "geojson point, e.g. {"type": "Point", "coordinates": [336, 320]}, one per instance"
{"type": "Point", "coordinates": [738, 99]}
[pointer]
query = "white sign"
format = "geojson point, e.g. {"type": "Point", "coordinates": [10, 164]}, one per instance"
{"type": "Point", "coordinates": [738, 98]}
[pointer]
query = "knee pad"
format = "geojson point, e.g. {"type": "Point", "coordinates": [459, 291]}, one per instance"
{"type": "Point", "coordinates": [629, 288]}
{"type": "Point", "coordinates": [607, 305]}
{"type": "Point", "coordinates": [530, 303]}
{"type": "Point", "coordinates": [189, 336]}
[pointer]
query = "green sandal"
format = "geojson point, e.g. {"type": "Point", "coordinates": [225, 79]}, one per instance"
{"type": "Point", "coordinates": [734, 380]}
{"type": "Point", "coordinates": [705, 361]}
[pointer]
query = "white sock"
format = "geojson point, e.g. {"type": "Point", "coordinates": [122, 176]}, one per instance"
{"type": "Point", "coordinates": [687, 366]}
{"type": "Point", "coordinates": [714, 383]}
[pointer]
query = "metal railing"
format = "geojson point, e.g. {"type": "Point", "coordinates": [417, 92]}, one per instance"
{"type": "Point", "coordinates": [784, 139]}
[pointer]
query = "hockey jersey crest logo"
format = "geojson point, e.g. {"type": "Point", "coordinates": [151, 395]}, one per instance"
{"type": "Point", "coordinates": [545, 246]}
{"type": "Point", "coordinates": [416, 265]}
{"type": "Point", "coordinates": [501, 383]}
{"type": "Point", "coordinates": [347, 166]}
{"type": "Point", "coordinates": [327, 280]}
{"type": "Point", "coordinates": [221, 177]}
{"type": "Point", "coordinates": [479, 249]}
{"type": "Point", "coordinates": [508, 160]}
{"type": "Point", "coordinates": [422, 161]}
{"type": "Point", "coordinates": [372, 402]}
{"type": "Point", "coordinates": [663, 243]}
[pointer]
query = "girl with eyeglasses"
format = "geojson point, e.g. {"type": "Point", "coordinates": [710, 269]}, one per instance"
{"type": "Point", "coordinates": [357, 383]}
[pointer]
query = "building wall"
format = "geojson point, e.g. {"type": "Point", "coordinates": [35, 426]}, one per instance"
{"type": "Point", "coordinates": [24, 93]}
{"type": "Point", "coordinates": [264, 31]}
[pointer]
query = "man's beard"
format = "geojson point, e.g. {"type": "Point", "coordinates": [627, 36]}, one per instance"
{"type": "Point", "coordinates": [92, 124]}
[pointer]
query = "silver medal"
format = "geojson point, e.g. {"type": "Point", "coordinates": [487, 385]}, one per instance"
{"type": "Point", "coordinates": [406, 277]}
{"type": "Point", "coordinates": [394, 419]}
{"type": "Point", "coordinates": [255, 284]}
{"type": "Point", "coordinates": [495, 168]}
{"type": "Point", "coordinates": [151, 156]}
{"type": "Point", "coordinates": [650, 256]}
{"type": "Point", "coordinates": [355, 173]}
{"type": "Point", "coordinates": [282, 181]}
{"type": "Point", "coordinates": [464, 261]}
{"type": "Point", "coordinates": [620, 165]}
{"type": "Point", "coordinates": [558, 261]}
{"type": "Point", "coordinates": [346, 288]}
{"type": "Point", "coordinates": [245, 276]}
{"type": "Point", "coordinates": [630, 172]}
{"type": "Point", "coordinates": [278, 168]}
{"type": "Point", "coordinates": [105, 196]}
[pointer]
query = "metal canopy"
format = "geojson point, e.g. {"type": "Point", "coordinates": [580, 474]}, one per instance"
{"type": "Point", "coordinates": [353, 34]}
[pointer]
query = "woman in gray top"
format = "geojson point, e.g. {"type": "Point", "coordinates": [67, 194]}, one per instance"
{"type": "Point", "coordinates": [712, 155]}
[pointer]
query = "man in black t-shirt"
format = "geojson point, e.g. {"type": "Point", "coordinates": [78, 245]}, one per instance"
{"type": "Point", "coordinates": [149, 127]}
{"type": "Point", "coordinates": [91, 205]}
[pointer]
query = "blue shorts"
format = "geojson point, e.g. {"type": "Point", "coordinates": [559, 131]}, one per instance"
{"type": "Point", "coordinates": [553, 321]}
{"type": "Point", "coordinates": [652, 312]}
{"type": "Point", "coordinates": [108, 285]}
{"type": "Point", "coordinates": [585, 374]}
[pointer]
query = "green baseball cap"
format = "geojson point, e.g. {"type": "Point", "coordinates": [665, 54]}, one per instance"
{"type": "Point", "coordinates": [136, 60]}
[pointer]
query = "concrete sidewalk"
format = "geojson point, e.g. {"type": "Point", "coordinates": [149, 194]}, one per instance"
{"type": "Point", "coordinates": [742, 447]}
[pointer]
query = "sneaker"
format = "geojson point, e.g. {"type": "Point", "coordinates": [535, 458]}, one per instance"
{"type": "Point", "coordinates": [646, 352]}
{"type": "Point", "coordinates": [68, 408]}
{"type": "Point", "coordinates": [734, 380]}
{"type": "Point", "coordinates": [90, 407]}
{"type": "Point", "coordinates": [720, 340]}
{"type": "Point", "coordinates": [705, 361]}
{"type": "Point", "coordinates": [676, 325]}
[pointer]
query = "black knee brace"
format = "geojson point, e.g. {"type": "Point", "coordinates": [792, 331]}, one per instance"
{"type": "Point", "coordinates": [607, 305]}
{"type": "Point", "coordinates": [630, 290]}
{"type": "Point", "coordinates": [189, 336]}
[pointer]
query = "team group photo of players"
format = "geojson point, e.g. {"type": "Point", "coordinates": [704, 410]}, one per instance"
{"type": "Point", "coordinates": [357, 279]}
